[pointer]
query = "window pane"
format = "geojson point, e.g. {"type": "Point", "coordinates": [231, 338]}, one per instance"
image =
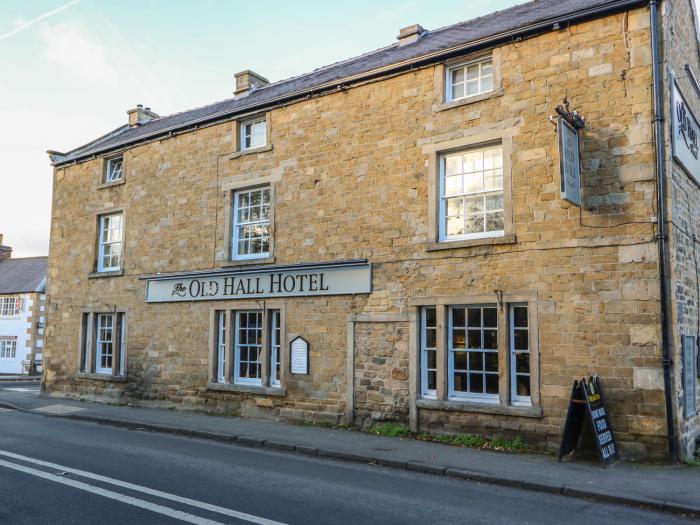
{"type": "Point", "coordinates": [494, 222]}
{"type": "Point", "coordinates": [490, 339]}
{"type": "Point", "coordinates": [432, 380]}
{"type": "Point", "coordinates": [460, 382]}
{"type": "Point", "coordinates": [473, 72]}
{"type": "Point", "coordinates": [458, 338]}
{"type": "Point", "coordinates": [476, 361]}
{"type": "Point", "coordinates": [430, 317]}
{"type": "Point", "coordinates": [474, 339]}
{"type": "Point", "coordinates": [457, 91]}
{"type": "Point", "coordinates": [431, 358]}
{"type": "Point", "coordinates": [486, 84]}
{"type": "Point", "coordinates": [491, 362]}
{"type": "Point", "coordinates": [454, 207]}
{"type": "Point", "coordinates": [474, 224]}
{"type": "Point", "coordinates": [458, 318]}
{"type": "Point", "coordinates": [491, 383]}
{"type": "Point", "coordinates": [523, 386]}
{"type": "Point", "coordinates": [457, 75]}
{"type": "Point", "coordinates": [476, 383]}
{"type": "Point", "coordinates": [520, 316]}
{"type": "Point", "coordinates": [474, 317]}
{"type": "Point", "coordinates": [473, 161]}
{"type": "Point", "coordinates": [455, 226]}
{"type": "Point", "coordinates": [453, 165]}
{"type": "Point", "coordinates": [494, 201]}
{"type": "Point", "coordinates": [491, 317]}
{"type": "Point", "coordinates": [430, 338]}
{"type": "Point", "coordinates": [474, 204]}
{"type": "Point", "coordinates": [472, 87]}
{"type": "Point", "coordinates": [520, 339]}
{"type": "Point", "coordinates": [460, 360]}
{"type": "Point", "coordinates": [522, 363]}
{"type": "Point", "coordinates": [486, 68]}
{"type": "Point", "coordinates": [453, 185]}
{"type": "Point", "coordinates": [473, 182]}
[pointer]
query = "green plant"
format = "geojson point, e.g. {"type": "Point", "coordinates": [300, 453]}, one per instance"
{"type": "Point", "coordinates": [390, 429]}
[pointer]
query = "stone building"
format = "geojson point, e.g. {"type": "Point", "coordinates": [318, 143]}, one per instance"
{"type": "Point", "coordinates": [387, 239]}
{"type": "Point", "coordinates": [22, 312]}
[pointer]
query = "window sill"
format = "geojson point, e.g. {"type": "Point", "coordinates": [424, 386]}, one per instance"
{"type": "Point", "coordinates": [260, 149]}
{"type": "Point", "coordinates": [248, 389]}
{"type": "Point", "coordinates": [468, 100]}
{"type": "Point", "coordinates": [102, 377]}
{"type": "Point", "coordinates": [468, 243]}
{"type": "Point", "coordinates": [483, 408]}
{"type": "Point", "coordinates": [247, 262]}
{"type": "Point", "coordinates": [98, 275]}
{"type": "Point", "coordinates": [111, 184]}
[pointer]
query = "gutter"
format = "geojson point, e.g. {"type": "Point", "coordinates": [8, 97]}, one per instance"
{"type": "Point", "coordinates": [531, 30]}
{"type": "Point", "coordinates": [667, 358]}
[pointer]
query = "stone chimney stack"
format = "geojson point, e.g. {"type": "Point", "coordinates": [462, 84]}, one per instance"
{"type": "Point", "coordinates": [248, 81]}
{"type": "Point", "coordinates": [410, 34]}
{"type": "Point", "coordinates": [5, 251]}
{"type": "Point", "coordinates": [140, 115]}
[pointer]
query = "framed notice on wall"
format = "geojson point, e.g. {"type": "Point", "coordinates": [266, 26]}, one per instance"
{"type": "Point", "coordinates": [690, 380]}
{"type": "Point", "coordinates": [299, 356]}
{"type": "Point", "coordinates": [569, 162]}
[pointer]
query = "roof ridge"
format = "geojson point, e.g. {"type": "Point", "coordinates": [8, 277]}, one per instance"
{"type": "Point", "coordinates": [24, 258]}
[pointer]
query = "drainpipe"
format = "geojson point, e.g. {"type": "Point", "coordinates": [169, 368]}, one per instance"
{"type": "Point", "coordinates": [667, 359]}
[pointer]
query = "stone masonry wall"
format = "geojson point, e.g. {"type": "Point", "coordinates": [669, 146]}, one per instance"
{"type": "Point", "coordinates": [381, 371]}
{"type": "Point", "coordinates": [353, 184]}
{"type": "Point", "coordinates": [681, 48]}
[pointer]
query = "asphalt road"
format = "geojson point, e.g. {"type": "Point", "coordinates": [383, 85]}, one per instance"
{"type": "Point", "coordinates": [61, 471]}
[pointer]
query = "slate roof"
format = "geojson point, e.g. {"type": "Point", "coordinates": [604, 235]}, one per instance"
{"type": "Point", "coordinates": [434, 44]}
{"type": "Point", "coordinates": [23, 275]}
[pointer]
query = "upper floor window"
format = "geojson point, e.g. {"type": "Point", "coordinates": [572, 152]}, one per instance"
{"type": "Point", "coordinates": [10, 305]}
{"type": "Point", "coordinates": [115, 169]}
{"type": "Point", "coordinates": [470, 79]}
{"type": "Point", "coordinates": [109, 257]}
{"type": "Point", "coordinates": [251, 223]}
{"type": "Point", "coordinates": [253, 133]}
{"type": "Point", "coordinates": [471, 194]}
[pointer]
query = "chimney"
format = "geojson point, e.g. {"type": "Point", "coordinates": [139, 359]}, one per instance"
{"type": "Point", "coordinates": [140, 115]}
{"type": "Point", "coordinates": [5, 251]}
{"type": "Point", "coordinates": [410, 34]}
{"type": "Point", "coordinates": [248, 81]}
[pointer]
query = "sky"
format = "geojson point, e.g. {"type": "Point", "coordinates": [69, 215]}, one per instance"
{"type": "Point", "coordinates": [70, 69]}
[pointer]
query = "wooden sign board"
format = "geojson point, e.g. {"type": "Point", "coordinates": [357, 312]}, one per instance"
{"type": "Point", "coordinates": [587, 402]}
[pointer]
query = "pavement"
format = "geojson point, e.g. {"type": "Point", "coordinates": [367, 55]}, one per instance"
{"type": "Point", "coordinates": [668, 488]}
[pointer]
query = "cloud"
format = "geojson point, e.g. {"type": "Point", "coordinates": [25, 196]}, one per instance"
{"type": "Point", "coordinates": [21, 25]}
{"type": "Point", "coordinates": [79, 53]}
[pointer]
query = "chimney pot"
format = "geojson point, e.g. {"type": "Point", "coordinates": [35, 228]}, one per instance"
{"type": "Point", "coordinates": [248, 81]}
{"type": "Point", "coordinates": [410, 34]}
{"type": "Point", "coordinates": [139, 115]}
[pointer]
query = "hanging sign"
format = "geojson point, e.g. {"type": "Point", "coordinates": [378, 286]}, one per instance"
{"type": "Point", "coordinates": [351, 277]}
{"type": "Point", "coordinates": [569, 162]}
{"type": "Point", "coordinates": [587, 403]}
{"type": "Point", "coordinates": [299, 356]}
{"type": "Point", "coordinates": [684, 140]}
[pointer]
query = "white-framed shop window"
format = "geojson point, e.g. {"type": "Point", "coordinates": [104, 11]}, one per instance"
{"type": "Point", "coordinates": [469, 79]}
{"type": "Point", "coordinates": [251, 223]}
{"type": "Point", "coordinates": [248, 347]}
{"type": "Point", "coordinates": [473, 353]}
{"type": "Point", "coordinates": [471, 194]}
{"type": "Point", "coordinates": [275, 348]}
{"type": "Point", "coordinates": [428, 356]}
{"type": "Point", "coordinates": [519, 349]}
{"type": "Point", "coordinates": [114, 170]}
{"type": "Point", "coordinates": [10, 305]}
{"type": "Point", "coordinates": [103, 343]}
{"type": "Point", "coordinates": [8, 347]}
{"type": "Point", "coordinates": [253, 133]}
{"type": "Point", "coordinates": [110, 242]}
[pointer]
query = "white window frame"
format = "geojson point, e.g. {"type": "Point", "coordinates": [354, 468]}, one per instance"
{"type": "Point", "coordinates": [237, 379]}
{"type": "Point", "coordinates": [103, 242]}
{"type": "Point", "coordinates": [426, 392]}
{"type": "Point", "coordinates": [442, 197]}
{"type": "Point", "coordinates": [275, 347]}
{"type": "Point", "coordinates": [469, 396]}
{"type": "Point", "coordinates": [481, 61]}
{"type": "Point", "coordinates": [110, 169]}
{"type": "Point", "coordinates": [237, 223]}
{"type": "Point", "coordinates": [221, 346]}
{"type": "Point", "coordinates": [251, 123]}
{"type": "Point", "coordinates": [10, 306]}
{"type": "Point", "coordinates": [100, 343]}
{"type": "Point", "coordinates": [515, 399]}
{"type": "Point", "coordinates": [8, 348]}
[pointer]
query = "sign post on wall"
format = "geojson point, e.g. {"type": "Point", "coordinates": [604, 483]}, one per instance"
{"type": "Point", "coordinates": [568, 125]}
{"type": "Point", "coordinates": [299, 356]}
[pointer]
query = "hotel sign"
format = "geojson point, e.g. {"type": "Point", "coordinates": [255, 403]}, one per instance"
{"type": "Point", "coordinates": [569, 162]}
{"type": "Point", "coordinates": [352, 277]}
{"type": "Point", "coordinates": [684, 134]}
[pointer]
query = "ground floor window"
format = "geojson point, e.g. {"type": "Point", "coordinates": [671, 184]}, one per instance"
{"type": "Point", "coordinates": [478, 353]}
{"type": "Point", "coordinates": [8, 347]}
{"type": "Point", "coordinates": [254, 354]}
{"type": "Point", "coordinates": [103, 345]}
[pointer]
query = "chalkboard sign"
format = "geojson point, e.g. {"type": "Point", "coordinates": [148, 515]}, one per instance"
{"type": "Point", "coordinates": [587, 402]}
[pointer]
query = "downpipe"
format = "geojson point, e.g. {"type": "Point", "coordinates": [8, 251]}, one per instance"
{"type": "Point", "coordinates": [667, 358]}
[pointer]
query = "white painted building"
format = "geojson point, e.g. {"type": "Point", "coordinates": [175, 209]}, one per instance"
{"type": "Point", "coordinates": [22, 312]}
